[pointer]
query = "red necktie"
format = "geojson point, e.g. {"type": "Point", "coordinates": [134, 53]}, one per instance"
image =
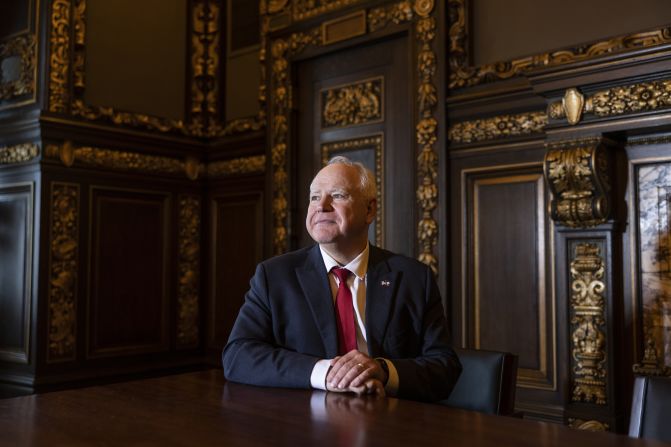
{"type": "Point", "coordinates": [345, 313]}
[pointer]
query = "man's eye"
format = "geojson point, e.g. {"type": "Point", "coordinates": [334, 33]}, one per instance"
{"type": "Point", "coordinates": [314, 198]}
{"type": "Point", "coordinates": [338, 196]}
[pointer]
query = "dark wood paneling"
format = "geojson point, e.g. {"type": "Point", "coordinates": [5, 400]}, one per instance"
{"type": "Point", "coordinates": [16, 233]}
{"type": "Point", "coordinates": [14, 17]}
{"type": "Point", "coordinates": [128, 307]}
{"type": "Point", "coordinates": [237, 223]}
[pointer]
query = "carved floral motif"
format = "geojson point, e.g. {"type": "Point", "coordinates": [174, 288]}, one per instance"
{"type": "Point", "coordinates": [189, 271]}
{"type": "Point", "coordinates": [353, 104]}
{"type": "Point", "coordinates": [19, 153]}
{"type": "Point", "coordinates": [497, 127]}
{"type": "Point", "coordinates": [59, 56]}
{"type": "Point", "coordinates": [25, 48]}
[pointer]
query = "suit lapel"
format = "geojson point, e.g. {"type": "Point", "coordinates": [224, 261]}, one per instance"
{"type": "Point", "coordinates": [381, 286]}
{"type": "Point", "coordinates": [313, 279]}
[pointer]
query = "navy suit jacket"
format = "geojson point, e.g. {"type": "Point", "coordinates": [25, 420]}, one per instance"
{"type": "Point", "coordinates": [287, 323]}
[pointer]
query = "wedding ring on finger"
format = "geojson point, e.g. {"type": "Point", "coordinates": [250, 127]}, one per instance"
{"type": "Point", "coordinates": [359, 365]}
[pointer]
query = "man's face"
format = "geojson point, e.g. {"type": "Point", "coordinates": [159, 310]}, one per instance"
{"type": "Point", "coordinates": [338, 212]}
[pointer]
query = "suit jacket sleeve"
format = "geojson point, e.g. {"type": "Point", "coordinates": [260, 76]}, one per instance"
{"type": "Point", "coordinates": [431, 372]}
{"type": "Point", "coordinates": [252, 355]}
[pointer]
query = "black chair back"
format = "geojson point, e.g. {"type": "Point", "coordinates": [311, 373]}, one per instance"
{"type": "Point", "coordinates": [487, 382]}
{"type": "Point", "coordinates": [650, 408]}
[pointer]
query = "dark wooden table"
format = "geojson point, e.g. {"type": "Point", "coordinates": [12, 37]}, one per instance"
{"type": "Point", "coordinates": [201, 408]}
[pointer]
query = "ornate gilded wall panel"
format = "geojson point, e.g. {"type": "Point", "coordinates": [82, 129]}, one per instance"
{"type": "Point", "coordinates": [188, 291]}
{"type": "Point", "coordinates": [59, 56]}
{"type": "Point", "coordinates": [359, 149]}
{"type": "Point", "coordinates": [19, 153]}
{"type": "Point", "coordinates": [63, 272]}
{"type": "Point", "coordinates": [578, 175]}
{"type": "Point", "coordinates": [498, 127]}
{"type": "Point", "coordinates": [653, 183]}
{"type": "Point", "coordinates": [588, 324]}
{"type": "Point", "coordinates": [462, 74]}
{"type": "Point", "coordinates": [23, 47]}
{"type": "Point", "coordinates": [357, 103]}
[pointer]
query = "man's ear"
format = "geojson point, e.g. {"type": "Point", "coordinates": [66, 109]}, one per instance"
{"type": "Point", "coordinates": [371, 211]}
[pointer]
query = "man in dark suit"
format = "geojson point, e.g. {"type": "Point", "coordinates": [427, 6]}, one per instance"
{"type": "Point", "coordinates": [343, 315]}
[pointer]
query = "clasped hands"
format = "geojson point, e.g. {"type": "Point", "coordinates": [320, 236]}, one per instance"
{"type": "Point", "coordinates": [356, 372]}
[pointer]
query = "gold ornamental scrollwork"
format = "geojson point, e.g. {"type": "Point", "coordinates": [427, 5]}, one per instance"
{"type": "Point", "coordinates": [25, 48]}
{"type": "Point", "coordinates": [353, 104]}
{"type": "Point", "coordinates": [305, 9]}
{"type": "Point", "coordinates": [123, 160]}
{"type": "Point", "coordinates": [236, 166]}
{"type": "Point", "coordinates": [590, 425]}
{"type": "Point", "coordinates": [577, 173]}
{"type": "Point", "coordinates": [588, 325]}
{"type": "Point", "coordinates": [189, 271]}
{"type": "Point", "coordinates": [502, 126]}
{"type": "Point", "coordinates": [59, 56]}
{"type": "Point", "coordinates": [63, 267]}
{"type": "Point", "coordinates": [19, 153]}
{"type": "Point", "coordinates": [464, 75]}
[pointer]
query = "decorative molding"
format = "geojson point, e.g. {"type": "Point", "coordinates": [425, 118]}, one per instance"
{"type": "Point", "coordinates": [63, 272]}
{"type": "Point", "coordinates": [651, 365]}
{"type": "Point", "coordinates": [633, 98]}
{"type": "Point", "coordinates": [376, 143]}
{"type": "Point", "coordinates": [588, 325]}
{"type": "Point", "coordinates": [189, 271]}
{"type": "Point", "coordinates": [245, 165]}
{"type": "Point", "coordinates": [396, 13]}
{"type": "Point", "coordinates": [503, 126]}
{"type": "Point", "coordinates": [426, 137]}
{"type": "Point", "coordinates": [123, 161]}
{"type": "Point", "coordinates": [464, 75]}
{"type": "Point", "coordinates": [591, 425]}
{"type": "Point", "coordinates": [59, 56]}
{"type": "Point", "coordinates": [24, 47]}
{"type": "Point", "coordinates": [577, 173]}
{"type": "Point", "coordinates": [19, 153]}
{"type": "Point", "coordinates": [353, 104]}
{"type": "Point", "coordinates": [305, 9]}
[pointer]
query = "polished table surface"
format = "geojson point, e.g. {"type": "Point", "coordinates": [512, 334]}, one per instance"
{"type": "Point", "coordinates": [201, 408]}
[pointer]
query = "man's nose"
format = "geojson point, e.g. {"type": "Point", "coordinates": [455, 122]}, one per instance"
{"type": "Point", "coordinates": [324, 203]}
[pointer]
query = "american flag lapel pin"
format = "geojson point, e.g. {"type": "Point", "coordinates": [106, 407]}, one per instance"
{"type": "Point", "coordinates": [385, 283]}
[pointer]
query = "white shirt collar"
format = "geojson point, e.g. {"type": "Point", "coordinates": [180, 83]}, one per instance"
{"type": "Point", "coordinates": [358, 265]}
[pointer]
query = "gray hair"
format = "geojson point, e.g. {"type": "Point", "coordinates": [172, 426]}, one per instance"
{"type": "Point", "coordinates": [367, 178]}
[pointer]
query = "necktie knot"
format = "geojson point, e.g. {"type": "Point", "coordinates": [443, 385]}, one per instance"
{"type": "Point", "coordinates": [341, 273]}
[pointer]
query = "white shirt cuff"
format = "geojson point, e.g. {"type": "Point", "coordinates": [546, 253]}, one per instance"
{"type": "Point", "coordinates": [318, 376]}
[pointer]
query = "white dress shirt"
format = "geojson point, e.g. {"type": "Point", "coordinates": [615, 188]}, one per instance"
{"type": "Point", "coordinates": [357, 284]}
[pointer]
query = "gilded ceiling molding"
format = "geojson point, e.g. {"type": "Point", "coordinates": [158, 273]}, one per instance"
{"type": "Point", "coordinates": [189, 271]}
{"type": "Point", "coordinates": [577, 173]}
{"type": "Point", "coordinates": [633, 98]}
{"type": "Point", "coordinates": [24, 47]}
{"type": "Point", "coordinates": [63, 267]}
{"type": "Point", "coordinates": [19, 153]}
{"type": "Point", "coordinates": [349, 105]}
{"type": "Point", "coordinates": [588, 325]}
{"type": "Point", "coordinates": [497, 127]}
{"type": "Point", "coordinates": [464, 75]}
{"type": "Point", "coordinates": [123, 161]}
{"type": "Point", "coordinates": [236, 166]}
{"type": "Point", "coordinates": [59, 56]}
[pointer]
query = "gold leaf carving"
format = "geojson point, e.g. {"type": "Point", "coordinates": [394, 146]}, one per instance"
{"type": "Point", "coordinates": [358, 103]}
{"type": "Point", "coordinates": [587, 311]}
{"type": "Point", "coordinates": [246, 165]}
{"type": "Point", "coordinates": [189, 271]}
{"type": "Point", "coordinates": [304, 9]}
{"type": "Point", "coordinates": [59, 56]}
{"type": "Point", "coordinates": [24, 47]}
{"type": "Point", "coordinates": [652, 364]}
{"type": "Point", "coordinates": [577, 173]}
{"type": "Point", "coordinates": [19, 153]}
{"type": "Point", "coordinates": [396, 13]}
{"type": "Point", "coordinates": [498, 127]}
{"type": "Point", "coordinates": [63, 266]}
{"type": "Point", "coordinates": [591, 425]}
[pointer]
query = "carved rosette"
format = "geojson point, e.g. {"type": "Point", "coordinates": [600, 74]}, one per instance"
{"type": "Point", "coordinates": [588, 325]}
{"type": "Point", "coordinates": [189, 271]}
{"type": "Point", "coordinates": [426, 137]}
{"type": "Point", "coordinates": [59, 57]}
{"type": "Point", "coordinates": [24, 47]}
{"type": "Point", "coordinates": [236, 166]}
{"type": "Point", "coordinates": [349, 105]}
{"type": "Point", "coordinates": [464, 75]}
{"type": "Point", "coordinates": [498, 127]}
{"type": "Point", "coordinates": [63, 265]}
{"type": "Point", "coordinates": [19, 153]}
{"type": "Point", "coordinates": [577, 174]}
